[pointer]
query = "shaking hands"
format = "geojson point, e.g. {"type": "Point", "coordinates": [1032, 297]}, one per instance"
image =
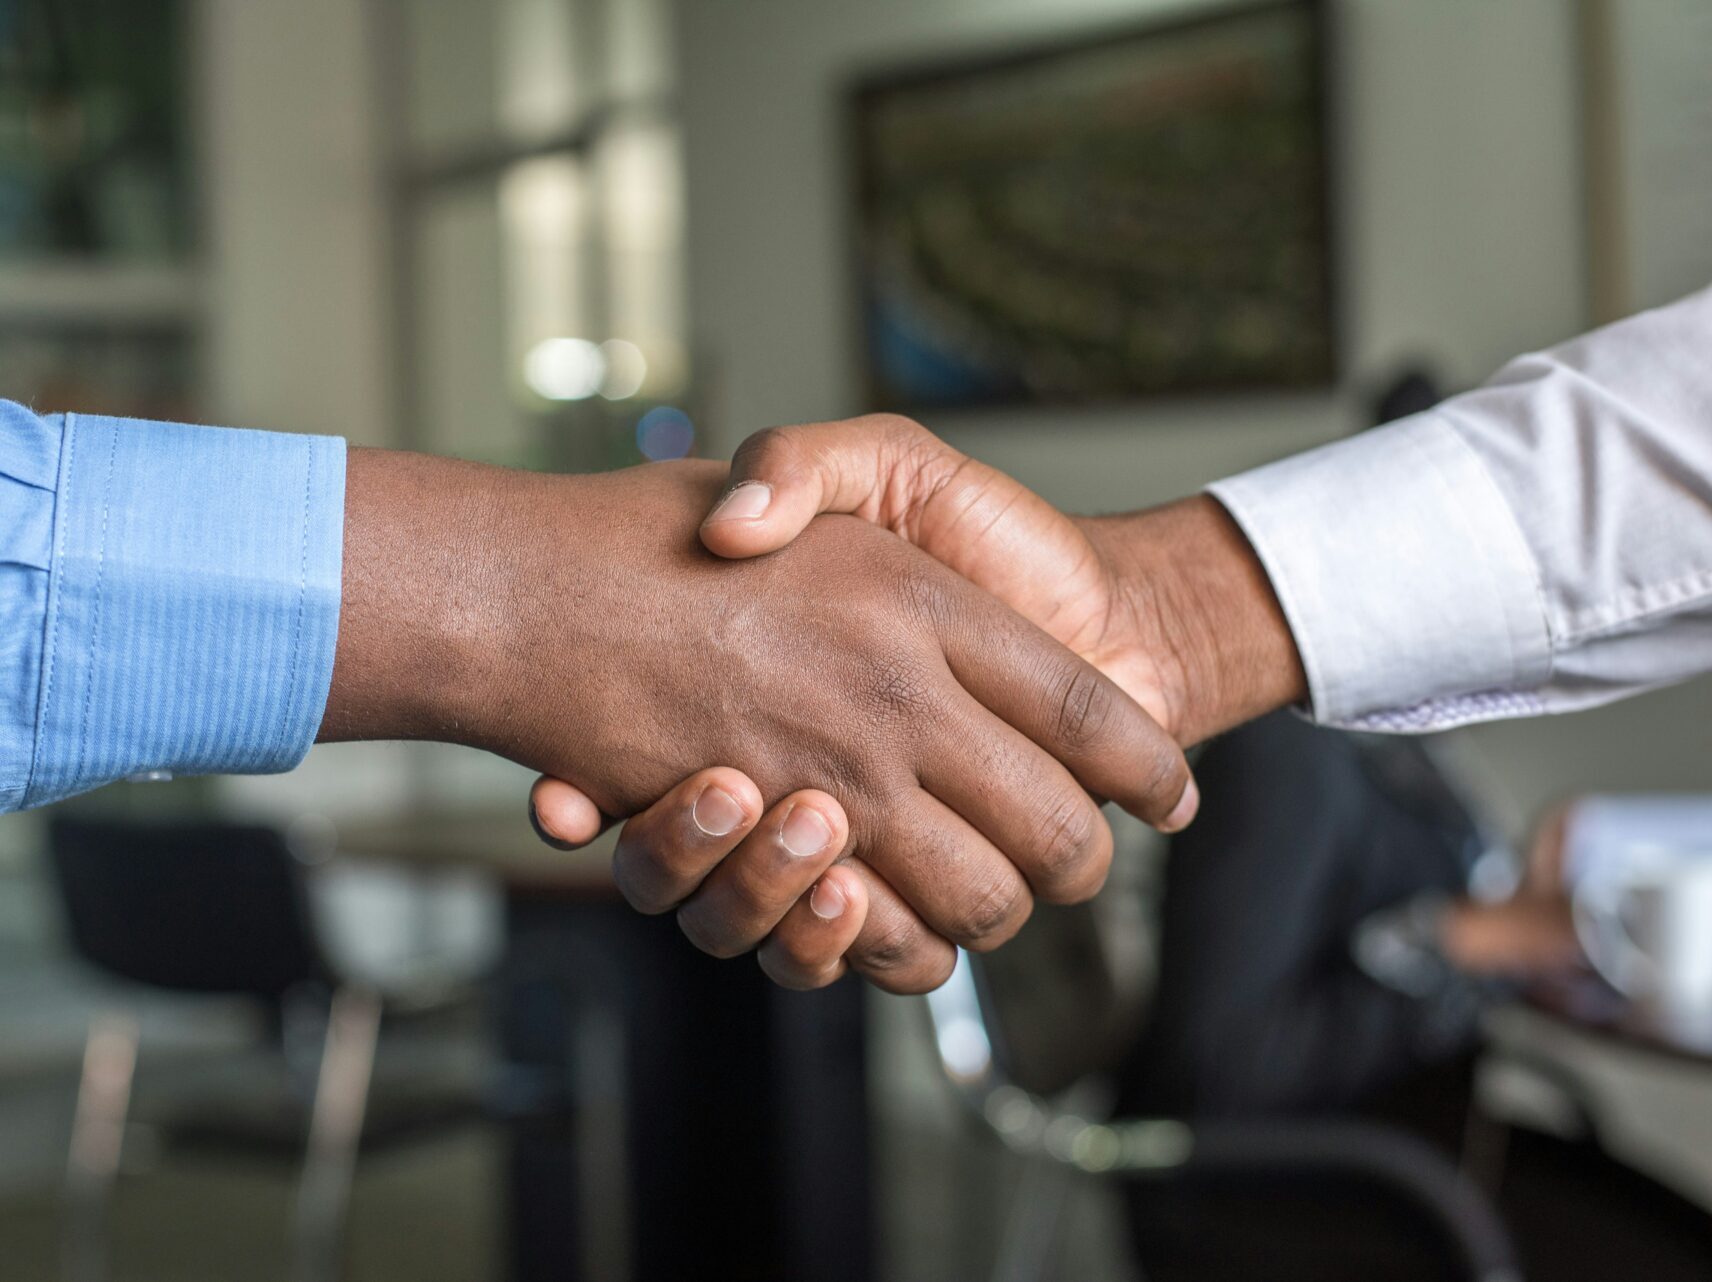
{"type": "Point", "coordinates": [925, 703]}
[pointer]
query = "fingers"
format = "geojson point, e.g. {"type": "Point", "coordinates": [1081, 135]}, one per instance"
{"type": "Point", "coordinates": [562, 815]}
{"type": "Point", "coordinates": [853, 919]}
{"type": "Point", "coordinates": [666, 852]}
{"type": "Point", "coordinates": [879, 467]}
{"type": "Point", "coordinates": [1026, 805]}
{"type": "Point", "coordinates": [772, 868]}
{"type": "Point", "coordinates": [959, 885]}
{"type": "Point", "coordinates": [814, 919]}
{"type": "Point", "coordinates": [764, 872]}
{"type": "Point", "coordinates": [806, 949]}
{"type": "Point", "coordinates": [748, 884]}
{"type": "Point", "coordinates": [1070, 710]}
{"type": "Point", "coordinates": [895, 950]}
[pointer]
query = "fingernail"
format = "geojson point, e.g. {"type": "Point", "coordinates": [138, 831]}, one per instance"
{"type": "Point", "coordinates": [543, 834]}
{"type": "Point", "coordinates": [748, 501]}
{"type": "Point", "coordinates": [805, 831]}
{"type": "Point", "coordinates": [826, 900]}
{"type": "Point", "coordinates": [716, 811]}
{"type": "Point", "coordinates": [1184, 810]}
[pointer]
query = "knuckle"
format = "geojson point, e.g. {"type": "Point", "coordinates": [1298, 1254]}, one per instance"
{"type": "Point", "coordinates": [797, 951]}
{"type": "Point", "coordinates": [892, 947]}
{"type": "Point", "coordinates": [762, 893]}
{"type": "Point", "coordinates": [641, 883]}
{"type": "Point", "coordinates": [900, 432]}
{"type": "Point", "coordinates": [928, 975]}
{"type": "Point", "coordinates": [787, 973]}
{"type": "Point", "coordinates": [898, 689]}
{"type": "Point", "coordinates": [1164, 776]}
{"type": "Point", "coordinates": [919, 585]}
{"type": "Point", "coordinates": [793, 948]}
{"type": "Point", "coordinates": [995, 915]}
{"type": "Point", "coordinates": [1067, 845]}
{"type": "Point", "coordinates": [918, 465]}
{"type": "Point", "coordinates": [770, 447]}
{"type": "Point", "coordinates": [853, 769]}
{"type": "Point", "coordinates": [1089, 877]}
{"type": "Point", "coordinates": [897, 424]}
{"type": "Point", "coordinates": [1085, 707]}
{"type": "Point", "coordinates": [703, 930]}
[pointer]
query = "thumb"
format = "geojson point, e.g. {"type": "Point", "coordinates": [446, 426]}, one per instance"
{"type": "Point", "coordinates": [877, 467]}
{"type": "Point", "coordinates": [562, 815]}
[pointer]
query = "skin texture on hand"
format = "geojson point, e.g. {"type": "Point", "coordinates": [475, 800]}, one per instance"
{"type": "Point", "coordinates": [1198, 602]}
{"type": "Point", "coordinates": [1172, 604]}
{"type": "Point", "coordinates": [970, 517]}
{"type": "Point", "coordinates": [575, 624]}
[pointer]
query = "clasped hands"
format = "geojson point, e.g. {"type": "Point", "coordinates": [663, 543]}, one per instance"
{"type": "Point", "coordinates": [909, 736]}
{"type": "Point", "coordinates": [857, 692]}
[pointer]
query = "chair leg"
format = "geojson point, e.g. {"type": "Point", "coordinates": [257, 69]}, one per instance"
{"type": "Point", "coordinates": [97, 1137]}
{"type": "Point", "coordinates": [335, 1132]}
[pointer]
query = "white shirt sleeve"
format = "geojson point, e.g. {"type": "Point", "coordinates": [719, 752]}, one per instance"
{"type": "Point", "coordinates": [1540, 544]}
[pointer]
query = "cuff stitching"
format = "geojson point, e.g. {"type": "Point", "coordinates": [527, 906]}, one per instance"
{"type": "Point", "coordinates": [95, 613]}
{"type": "Point", "coordinates": [1637, 605]}
{"type": "Point", "coordinates": [290, 709]}
{"type": "Point", "coordinates": [56, 562]}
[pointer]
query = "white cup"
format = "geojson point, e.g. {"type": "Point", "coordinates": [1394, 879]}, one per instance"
{"type": "Point", "coordinates": [1649, 932]}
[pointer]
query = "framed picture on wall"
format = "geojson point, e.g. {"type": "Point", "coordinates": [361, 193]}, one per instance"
{"type": "Point", "coordinates": [1134, 213]}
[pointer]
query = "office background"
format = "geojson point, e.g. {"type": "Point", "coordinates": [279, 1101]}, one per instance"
{"type": "Point", "coordinates": [380, 191]}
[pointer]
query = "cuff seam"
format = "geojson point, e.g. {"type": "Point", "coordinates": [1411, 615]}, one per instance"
{"type": "Point", "coordinates": [1285, 591]}
{"type": "Point", "coordinates": [50, 629]}
{"type": "Point", "coordinates": [302, 602]}
{"type": "Point", "coordinates": [1521, 673]}
{"type": "Point", "coordinates": [95, 618]}
{"type": "Point", "coordinates": [1635, 607]}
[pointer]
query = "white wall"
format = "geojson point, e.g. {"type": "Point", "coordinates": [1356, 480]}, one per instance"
{"type": "Point", "coordinates": [1460, 212]}
{"type": "Point", "coordinates": [290, 158]}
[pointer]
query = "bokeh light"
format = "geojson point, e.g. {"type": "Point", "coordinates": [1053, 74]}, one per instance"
{"type": "Point", "coordinates": [665, 432]}
{"type": "Point", "coordinates": [626, 369]}
{"type": "Point", "coordinates": [564, 369]}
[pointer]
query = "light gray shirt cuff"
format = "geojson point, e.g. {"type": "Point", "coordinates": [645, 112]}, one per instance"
{"type": "Point", "coordinates": [1412, 595]}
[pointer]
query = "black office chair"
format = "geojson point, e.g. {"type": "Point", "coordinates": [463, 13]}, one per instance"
{"type": "Point", "coordinates": [1068, 1138]}
{"type": "Point", "coordinates": [221, 908]}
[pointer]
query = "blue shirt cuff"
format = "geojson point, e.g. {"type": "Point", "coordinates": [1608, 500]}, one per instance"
{"type": "Point", "coordinates": [192, 603]}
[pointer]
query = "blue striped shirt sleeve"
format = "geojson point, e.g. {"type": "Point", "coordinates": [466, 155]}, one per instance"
{"type": "Point", "coordinates": [169, 599]}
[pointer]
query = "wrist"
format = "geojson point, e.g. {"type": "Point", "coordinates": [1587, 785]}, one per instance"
{"type": "Point", "coordinates": [428, 602]}
{"type": "Point", "coordinates": [1193, 600]}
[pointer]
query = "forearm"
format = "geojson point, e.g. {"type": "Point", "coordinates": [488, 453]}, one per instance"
{"type": "Point", "coordinates": [1196, 598]}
